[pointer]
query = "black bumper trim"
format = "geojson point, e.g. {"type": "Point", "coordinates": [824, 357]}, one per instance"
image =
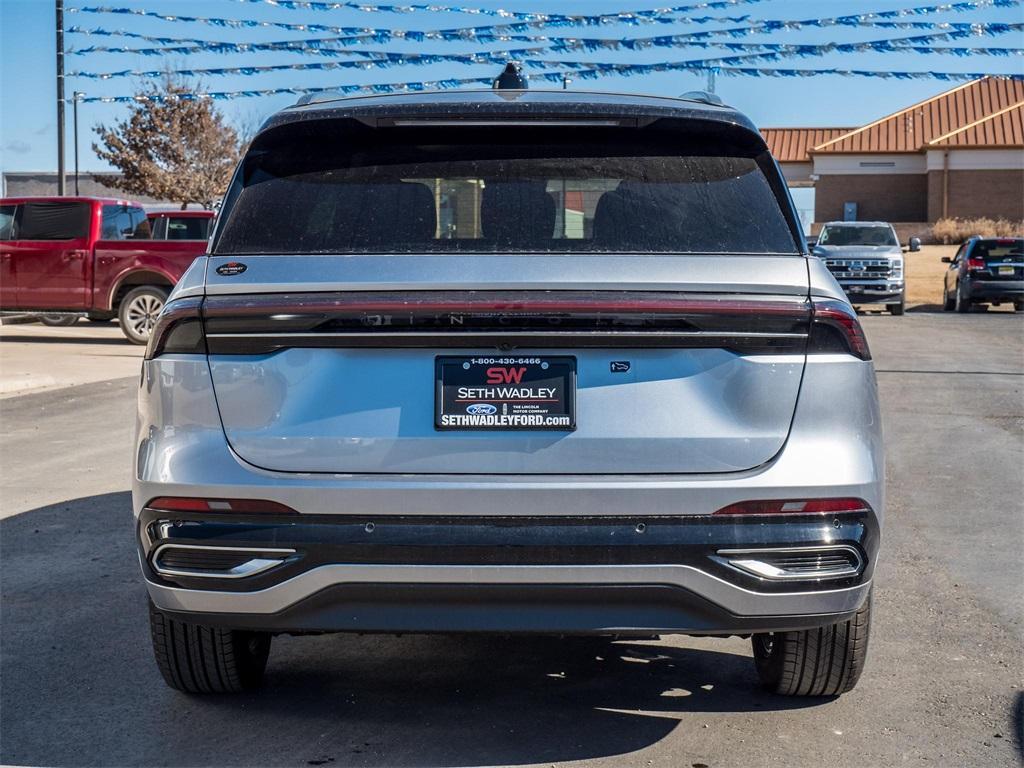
{"type": "Point", "coordinates": [494, 541]}
{"type": "Point", "coordinates": [508, 609]}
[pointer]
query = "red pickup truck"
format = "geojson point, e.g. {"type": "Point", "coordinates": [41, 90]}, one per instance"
{"type": "Point", "coordinates": [92, 256]}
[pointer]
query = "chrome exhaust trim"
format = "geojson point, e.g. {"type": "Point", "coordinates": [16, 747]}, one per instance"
{"type": "Point", "coordinates": [815, 563]}
{"type": "Point", "coordinates": [262, 560]}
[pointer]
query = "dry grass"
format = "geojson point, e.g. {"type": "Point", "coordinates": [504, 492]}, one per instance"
{"type": "Point", "coordinates": [958, 230]}
{"type": "Point", "coordinates": [924, 273]}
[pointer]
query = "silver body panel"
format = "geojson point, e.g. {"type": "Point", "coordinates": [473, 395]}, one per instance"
{"type": "Point", "coordinates": [181, 450]}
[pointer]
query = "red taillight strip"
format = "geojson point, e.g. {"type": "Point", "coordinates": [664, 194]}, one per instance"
{"type": "Point", "coordinates": [795, 507]}
{"type": "Point", "coordinates": [292, 305]}
{"type": "Point", "coordinates": [189, 504]}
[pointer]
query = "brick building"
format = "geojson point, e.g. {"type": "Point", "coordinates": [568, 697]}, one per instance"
{"type": "Point", "coordinates": [959, 154]}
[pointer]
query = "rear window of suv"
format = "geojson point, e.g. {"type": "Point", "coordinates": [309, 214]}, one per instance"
{"type": "Point", "coordinates": [503, 190]}
{"type": "Point", "coordinates": [997, 250]}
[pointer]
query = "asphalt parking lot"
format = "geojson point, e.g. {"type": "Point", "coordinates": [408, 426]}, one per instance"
{"type": "Point", "coordinates": [944, 683]}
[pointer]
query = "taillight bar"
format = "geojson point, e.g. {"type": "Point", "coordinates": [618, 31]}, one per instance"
{"type": "Point", "coordinates": [796, 507]}
{"type": "Point", "coordinates": [505, 319]}
{"type": "Point", "coordinates": [511, 302]}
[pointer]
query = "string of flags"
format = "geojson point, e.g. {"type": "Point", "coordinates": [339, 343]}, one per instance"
{"type": "Point", "coordinates": [551, 77]}
{"type": "Point", "coordinates": [349, 35]}
{"type": "Point", "coordinates": [321, 46]}
{"type": "Point", "coordinates": [529, 58]}
{"type": "Point", "coordinates": [672, 15]}
{"type": "Point", "coordinates": [542, 51]}
{"type": "Point", "coordinates": [548, 18]}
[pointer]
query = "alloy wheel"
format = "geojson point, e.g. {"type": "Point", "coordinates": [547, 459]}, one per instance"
{"type": "Point", "coordinates": [142, 313]}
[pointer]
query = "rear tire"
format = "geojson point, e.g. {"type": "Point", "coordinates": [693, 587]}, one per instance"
{"type": "Point", "coordinates": [962, 303]}
{"type": "Point", "coordinates": [1018, 306]}
{"type": "Point", "coordinates": [897, 309]}
{"type": "Point", "coordinates": [826, 661]}
{"type": "Point", "coordinates": [948, 302]}
{"type": "Point", "coordinates": [197, 659]}
{"type": "Point", "coordinates": [58, 321]}
{"type": "Point", "coordinates": [138, 311]}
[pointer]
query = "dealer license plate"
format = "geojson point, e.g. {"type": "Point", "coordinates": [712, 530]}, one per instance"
{"type": "Point", "coordinates": [1006, 270]}
{"type": "Point", "coordinates": [505, 393]}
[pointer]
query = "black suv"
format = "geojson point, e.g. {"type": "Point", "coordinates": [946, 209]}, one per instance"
{"type": "Point", "coordinates": [986, 270]}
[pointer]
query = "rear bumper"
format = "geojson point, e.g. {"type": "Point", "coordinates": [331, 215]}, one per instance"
{"type": "Point", "coordinates": [594, 608]}
{"type": "Point", "coordinates": [567, 574]}
{"type": "Point", "coordinates": [995, 290]}
{"type": "Point", "coordinates": [596, 574]}
{"type": "Point", "coordinates": [873, 292]}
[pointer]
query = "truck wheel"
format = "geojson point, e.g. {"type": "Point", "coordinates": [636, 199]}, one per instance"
{"type": "Point", "coordinates": [138, 312]}
{"type": "Point", "coordinates": [197, 659]}
{"type": "Point", "coordinates": [1018, 306]}
{"type": "Point", "coordinates": [897, 309]}
{"type": "Point", "coordinates": [814, 662]}
{"type": "Point", "coordinates": [962, 303]}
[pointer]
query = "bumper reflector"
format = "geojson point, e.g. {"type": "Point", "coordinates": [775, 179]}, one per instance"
{"type": "Point", "coordinates": [251, 506]}
{"type": "Point", "coordinates": [795, 506]}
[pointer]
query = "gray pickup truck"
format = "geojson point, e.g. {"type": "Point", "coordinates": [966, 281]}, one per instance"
{"type": "Point", "coordinates": [867, 260]}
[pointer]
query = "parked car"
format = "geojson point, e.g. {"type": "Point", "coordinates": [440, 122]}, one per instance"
{"type": "Point", "coordinates": [65, 257]}
{"type": "Point", "coordinates": [508, 361]}
{"type": "Point", "coordinates": [985, 270]}
{"type": "Point", "coordinates": [180, 225]}
{"type": "Point", "coordinates": [867, 260]}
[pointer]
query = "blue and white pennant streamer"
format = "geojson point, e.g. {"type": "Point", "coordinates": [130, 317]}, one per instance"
{"type": "Point", "coordinates": [552, 77]}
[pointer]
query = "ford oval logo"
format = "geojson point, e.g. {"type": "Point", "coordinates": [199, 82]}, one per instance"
{"type": "Point", "coordinates": [481, 409]}
{"type": "Point", "coordinates": [231, 268]}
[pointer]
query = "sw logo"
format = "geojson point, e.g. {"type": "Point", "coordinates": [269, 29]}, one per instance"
{"type": "Point", "coordinates": [505, 375]}
{"type": "Point", "coordinates": [620, 366]}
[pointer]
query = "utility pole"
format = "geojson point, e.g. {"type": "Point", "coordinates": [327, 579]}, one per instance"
{"type": "Point", "coordinates": [60, 98]}
{"type": "Point", "coordinates": [75, 96]}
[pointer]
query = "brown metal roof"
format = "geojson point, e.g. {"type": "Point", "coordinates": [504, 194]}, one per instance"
{"type": "Point", "coordinates": [911, 129]}
{"type": "Point", "coordinates": [1004, 128]}
{"type": "Point", "coordinates": [790, 145]}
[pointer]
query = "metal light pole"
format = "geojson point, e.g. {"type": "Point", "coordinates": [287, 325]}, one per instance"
{"type": "Point", "coordinates": [75, 96]}
{"type": "Point", "coordinates": [60, 98]}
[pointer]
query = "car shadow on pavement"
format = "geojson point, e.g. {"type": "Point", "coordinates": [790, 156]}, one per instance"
{"type": "Point", "coordinates": [78, 685]}
{"type": "Point", "coordinates": [982, 309]}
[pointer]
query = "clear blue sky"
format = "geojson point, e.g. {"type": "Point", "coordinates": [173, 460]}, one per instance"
{"type": "Point", "coordinates": [27, 45]}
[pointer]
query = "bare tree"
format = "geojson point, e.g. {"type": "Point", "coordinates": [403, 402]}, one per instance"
{"type": "Point", "coordinates": [170, 146]}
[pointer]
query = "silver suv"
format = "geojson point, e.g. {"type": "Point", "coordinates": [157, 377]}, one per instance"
{"type": "Point", "coordinates": [508, 361]}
